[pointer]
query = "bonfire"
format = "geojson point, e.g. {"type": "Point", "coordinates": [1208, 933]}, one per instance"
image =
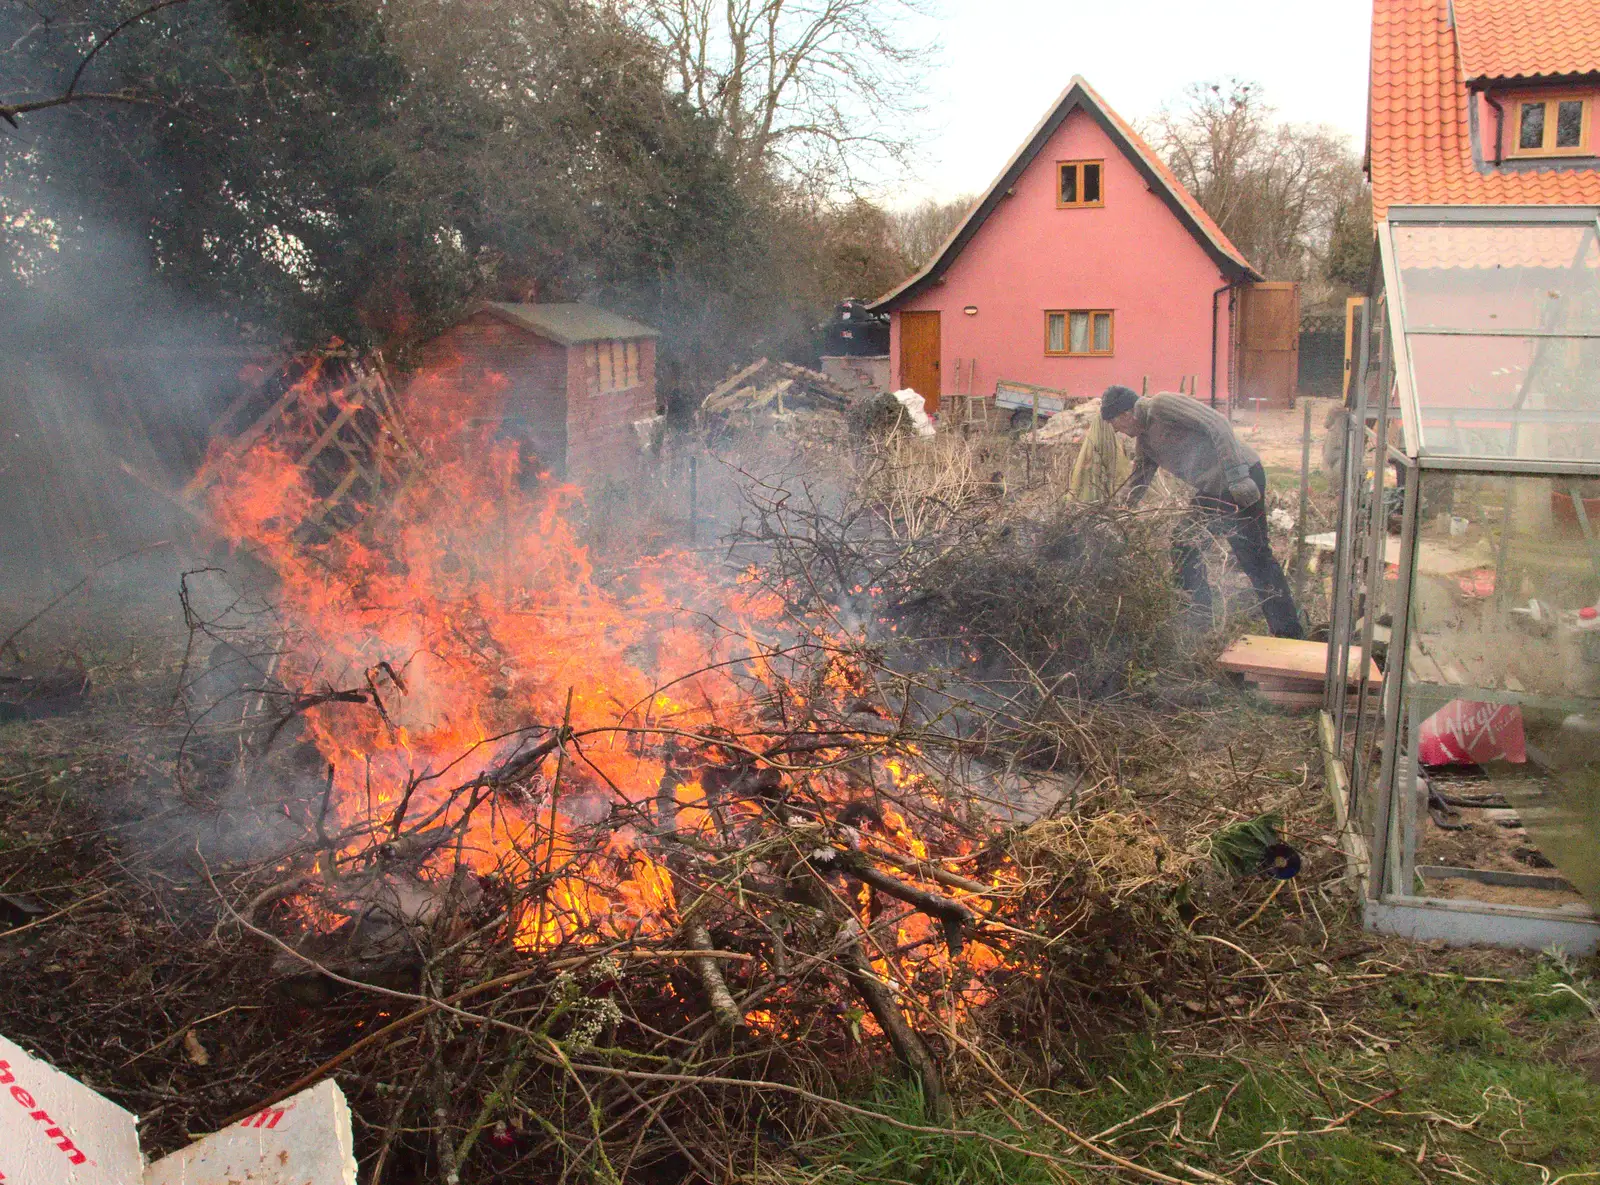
{"type": "Point", "coordinates": [659, 766]}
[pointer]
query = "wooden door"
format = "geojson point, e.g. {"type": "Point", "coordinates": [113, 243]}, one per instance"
{"type": "Point", "coordinates": [1269, 345]}
{"type": "Point", "coordinates": [919, 356]}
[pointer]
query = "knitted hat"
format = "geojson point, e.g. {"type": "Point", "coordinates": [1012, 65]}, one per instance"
{"type": "Point", "coordinates": [1115, 401]}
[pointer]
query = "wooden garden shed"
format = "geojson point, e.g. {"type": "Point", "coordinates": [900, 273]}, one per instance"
{"type": "Point", "coordinates": [568, 382]}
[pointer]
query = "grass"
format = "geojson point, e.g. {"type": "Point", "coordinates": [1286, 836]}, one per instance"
{"type": "Point", "coordinates": [1461, 1081]}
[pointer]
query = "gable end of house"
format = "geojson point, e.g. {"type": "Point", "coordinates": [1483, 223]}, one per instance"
{"type": "Point", "coordinates": [1079, 96]}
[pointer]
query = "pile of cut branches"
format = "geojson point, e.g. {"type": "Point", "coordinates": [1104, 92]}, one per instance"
{"type": "Point", "coordinates": [1054, 632]}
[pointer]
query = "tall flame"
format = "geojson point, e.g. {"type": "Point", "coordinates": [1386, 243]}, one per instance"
{"type": "Point", "coordinates": [453, 593]}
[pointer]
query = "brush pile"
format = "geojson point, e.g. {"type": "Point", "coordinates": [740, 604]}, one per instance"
{"type": "Point", "coordinates": [628, 877]}
{"type": "Point", "coordinates": [1061, 621]}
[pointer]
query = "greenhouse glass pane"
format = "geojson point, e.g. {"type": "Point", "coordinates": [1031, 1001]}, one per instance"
{"type": "Point", "coordinates": [1481, 396]}
{"type": "Point", "coordinates": [1502, 671]}
{"type": "Point", "coordinates": [1504, 278]}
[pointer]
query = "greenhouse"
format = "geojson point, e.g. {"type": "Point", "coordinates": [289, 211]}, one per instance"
{"type": "Point", "coordinates": [1463, 687]}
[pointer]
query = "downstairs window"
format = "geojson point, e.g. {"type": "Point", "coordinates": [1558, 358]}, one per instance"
{"type": "Point", "coordinates": [1072, 332]}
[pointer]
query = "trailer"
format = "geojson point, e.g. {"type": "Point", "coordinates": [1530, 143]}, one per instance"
{"type": "Point", "coordinates": [1026, 401]}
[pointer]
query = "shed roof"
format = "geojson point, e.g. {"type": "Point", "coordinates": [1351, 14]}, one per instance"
{"type": "Point", "coordinates": [1500, 39]}
{"type": "Point", "coordinates": [1419, 130]}
{"type": "Point", "coordinates": [1162, 182]}
{"type": "Point", "coordinates": [570, 324]}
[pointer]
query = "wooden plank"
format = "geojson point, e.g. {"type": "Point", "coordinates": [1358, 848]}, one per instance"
{"type": "Point", "coordinates": [1336, 780]}
{"type": "Point", "coordinates": [333, 499]}
{"type": "Point", "coordinates": [1284, 683]}
{"type": "Point", "coordinates": [328, 434]}
{"type": "Point", "coordinates": [731, 383]}
{"type": "Point", "coordinates": [1288, 699]}
{"type": "Point", "coordinates": [1292, 658]}
{"type": "Point", "coordinates": [268, 418]}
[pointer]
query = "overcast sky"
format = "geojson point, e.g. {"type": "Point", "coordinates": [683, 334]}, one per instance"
{"type": "Point", "coordinates": [1005, 61]}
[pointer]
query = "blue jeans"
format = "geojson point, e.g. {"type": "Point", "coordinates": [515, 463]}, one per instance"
{"type": "Point", "coordinates": [1245, 529]}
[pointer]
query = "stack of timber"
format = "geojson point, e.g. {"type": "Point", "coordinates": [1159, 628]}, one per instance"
{"type": "Point", "coordinates": [775, 386]}
{"type": "Point", "coordinates": [1287, 671]}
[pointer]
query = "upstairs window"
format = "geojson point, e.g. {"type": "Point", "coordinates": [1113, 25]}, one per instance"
{"type": "Point", "coordinates": [1071, 332]}
{"type": "Point", "coordinates": [1553, 126]}
{"type": "Point", "coordinates": [1080, 183]}
{"type": "Point", "coordinates": [611, 366]}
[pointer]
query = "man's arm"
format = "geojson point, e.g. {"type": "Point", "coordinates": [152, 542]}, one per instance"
{"type": "Point", "coordinates": [1233, 471]}
{"type": "Point", "coordinates": [1144, 472]}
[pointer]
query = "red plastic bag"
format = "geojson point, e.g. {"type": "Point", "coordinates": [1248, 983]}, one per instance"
{"type": "Point", "coordinates": [1465, 732]}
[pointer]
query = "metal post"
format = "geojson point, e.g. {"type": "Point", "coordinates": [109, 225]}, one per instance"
{"type": "Point", "coordinates": [1393, 688]}
{"type": "Point", "coordinates": [1033, 445]}
{"type": "Point", "coordinates": [1377, 543]}
{"type": "Point", "coordinates": [1345, 558]}
{"type": "Point", "coordinates": [1377, 561]}
{"type": "Point", "coordinates": [694, 497]}
{"type": "Point", "coordinates": [1305, 507]}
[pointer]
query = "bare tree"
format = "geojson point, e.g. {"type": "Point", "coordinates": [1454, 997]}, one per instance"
{"type": "Point", "coordinates": [66, 27]}
{"type": "Point", "coordinates": [1277, 190]}
{"type": "Point", "coordinates": [920, 231]}
{"type": "Point", "coordinates": [821, 89]}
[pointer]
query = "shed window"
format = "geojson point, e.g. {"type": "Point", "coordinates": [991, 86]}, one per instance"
{"type": "Point", "coordinates": [611, 365]}
{"type": "Point", "coordinates": [1078, 331]}
{"type": "Point", "coordinates": [1080, 183]}
{"type": "Point", "coordinates": [1552, 127]}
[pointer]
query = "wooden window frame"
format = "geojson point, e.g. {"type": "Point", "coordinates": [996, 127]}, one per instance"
{"type": "Point", "coordinates": [1062, 166]}
{"type": "Point", "coordinates": [1069, 352]}
{"type": "Point", "coordinates": [1555, 99]}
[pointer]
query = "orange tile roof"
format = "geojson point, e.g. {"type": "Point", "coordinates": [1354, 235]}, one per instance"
{"type": "Point", "coordinates": [1419, 142]}
{"type": "Point", "coordinates": [1505, 39]}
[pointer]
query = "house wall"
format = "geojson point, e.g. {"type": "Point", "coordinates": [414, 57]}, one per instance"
{"type": "Point", "coordinates": [484, 378]}
{"type": "Point", "coordinates": [1130, 255]}
{"type": "Point", "coordinates": [601, 441]}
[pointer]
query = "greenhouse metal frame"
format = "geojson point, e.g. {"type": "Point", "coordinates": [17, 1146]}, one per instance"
{"type": "Point", "coordinates": [1476, 388]}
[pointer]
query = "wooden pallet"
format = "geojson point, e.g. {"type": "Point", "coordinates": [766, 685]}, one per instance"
{"type": "Point", "coordinates": [1255, 656]}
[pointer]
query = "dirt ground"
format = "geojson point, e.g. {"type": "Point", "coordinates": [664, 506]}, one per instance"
{"type": "Point", "coordinates": [1276, 433]}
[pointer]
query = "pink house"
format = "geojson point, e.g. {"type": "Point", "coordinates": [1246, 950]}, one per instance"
{"type": "Point", "coordinates": [1086, 263]}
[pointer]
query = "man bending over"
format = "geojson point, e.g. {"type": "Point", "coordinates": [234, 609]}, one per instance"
{"type": "Point", "coordinates": [1196, 445]}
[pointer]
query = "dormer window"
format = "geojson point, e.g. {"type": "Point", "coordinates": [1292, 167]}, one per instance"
{"type": "Point", "coordinates": [1079, 183]}
{"type": "Point", "coordinates": [1557, 125]}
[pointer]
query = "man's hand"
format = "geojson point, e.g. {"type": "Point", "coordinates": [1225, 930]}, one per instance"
{"type": "Point", "coordinates": [1244, 493]}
